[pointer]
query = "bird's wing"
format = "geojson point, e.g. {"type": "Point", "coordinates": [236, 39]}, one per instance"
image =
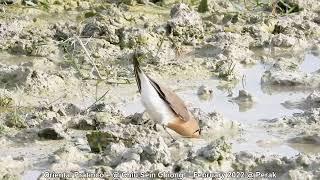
{"type": "Point", "coordinates": [173, 100]}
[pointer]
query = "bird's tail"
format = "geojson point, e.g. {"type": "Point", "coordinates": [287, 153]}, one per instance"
{"type": "Point", "coordinates": [137, 70]}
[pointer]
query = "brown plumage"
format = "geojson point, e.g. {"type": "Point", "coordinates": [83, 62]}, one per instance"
{"type": "Point", "coordinates": [185, 128]}
{"type": "Point", "coordinates": [180, 119]}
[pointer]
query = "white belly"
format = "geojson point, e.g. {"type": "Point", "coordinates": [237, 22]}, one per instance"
{"type": "Point", "coordinates": [155, 106]}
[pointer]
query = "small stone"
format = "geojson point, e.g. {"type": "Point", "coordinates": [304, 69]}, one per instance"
{"type": "Point", "coordinates": [7, 1]}
{"type": "Point", "coordinates": [143, 1]}
{"type": "Point", "coordinates": [30, 2]}
{"type": "Point", "coordinates": [98, 107]}
{"type": "Point", "coordinates": [217, 150]}
{"type": "Point", "coordinates": [99, 140]}
{"type": "Point", "coordinates": [282, 40]}
{"type": "Point", "coordinates": [314, 97]}
{"type": "Point", "coordinates": [205, 93]}
{"type": "Point", "coordinates": [55, 132]}
{"type": "Point", "coordinates": [61, 112]}
{"type": "Point", "coordinates": [64, 166]}
{"type": "Point", "coordinates": [70, 153]}
{"type": "Point", "coordinates": [85, 123]}
{"type": "Point", "coordinates": [10, 168]}
{"type": "Point", "coordinates": [82, 144]}
{"type": "Point", "coordinates": [204, 90]}
{"type": "Point", "coordinates": [185, 24]}
{"type": "Point", "coordinates": [244, 96]}
{"type": "Point", "coordinates": [156, 151]}
{"type": "Point", "coordinates": [72, 109]}
{"type": "Point", "coordinates": [132, 165]}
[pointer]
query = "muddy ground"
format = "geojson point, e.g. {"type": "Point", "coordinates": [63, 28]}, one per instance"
{"type": "Point", "coordinates": [249, 71]}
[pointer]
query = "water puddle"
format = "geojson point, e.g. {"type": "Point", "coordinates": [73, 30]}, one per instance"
{"type": "Point", "coordinates": [311, 148]}
{"type": "Point", "coordinates": [310, 64]}
{"type": "Point", "coordinates": [33, 174]}
{"type": "Point", "coordinates": [266, 106]}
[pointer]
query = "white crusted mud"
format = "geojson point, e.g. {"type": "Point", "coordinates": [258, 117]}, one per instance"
{"type": "Point", "coordinates": [12, 168]}
{"type": "Point", "coordinates": [299, 167]}
{"type": "Point", "coordinates": [139, 144]}
{"type": "Point", "coordinates": [185, 24]}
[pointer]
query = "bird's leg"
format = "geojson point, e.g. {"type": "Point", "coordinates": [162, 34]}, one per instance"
{"type": "Point", "coordinates": [173, 139]}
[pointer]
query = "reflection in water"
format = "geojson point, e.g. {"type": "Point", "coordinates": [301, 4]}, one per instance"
{"type": "Point", "coordinates": [309, 148]}
{"type": "Point", "coordinates": [306, 139]}
{"type": "Point", "coordinates": [245, 101]}
{"type": "Point", "coordinates": [244, 105]}
{"type": "Point", "coordinates": [227, 87]}
{"type": "Point", "coordinates": [205, 97]}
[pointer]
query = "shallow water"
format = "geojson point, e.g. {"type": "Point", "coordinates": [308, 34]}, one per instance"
{"type": "Point", "coordinates": [33, 174]}
{"type": "Point", "coordinates": [310, 64]}
{"type": "Point", "coordinates": [267, 105]}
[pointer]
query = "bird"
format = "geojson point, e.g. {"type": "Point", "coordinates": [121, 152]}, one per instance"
{"type": "Point", "coordinates": [164, 106]}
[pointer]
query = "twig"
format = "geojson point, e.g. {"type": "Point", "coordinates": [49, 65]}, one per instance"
{"type": "Point", "coordinates": [161, 42]}
{"type": "Point", "coordinates": [108, 81]}
{"type": "Point", "coordinates": [97, 101]}
{"type": "Point", "coordinates": [89, 57]}
{"type": "Point", "coordinates": [57, 99]}
{"type": "Point", "coordinates": [274, 7]}
{"type": "Point", "coordinates": [96, 94]}
{"type": "Point", "coordinates": [286, 5]}
{"type": "Point", "coordinates": [117, 82]}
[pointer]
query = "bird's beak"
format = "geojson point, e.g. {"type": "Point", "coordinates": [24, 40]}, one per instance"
{"type": "Point", "coordinates": [197, 133]}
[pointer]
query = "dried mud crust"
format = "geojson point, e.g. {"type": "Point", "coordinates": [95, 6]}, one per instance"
{"type": "Point", "coordinates": [299, 167]}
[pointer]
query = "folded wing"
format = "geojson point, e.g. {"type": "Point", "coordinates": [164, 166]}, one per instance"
{"type": "Point", "coordinates": [174, 101]}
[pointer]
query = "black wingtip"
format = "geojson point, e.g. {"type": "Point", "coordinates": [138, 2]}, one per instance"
{"type": "Point", "coordinates": [135, 60]}
{"type": "Point", "coordinates": [137, 69]}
